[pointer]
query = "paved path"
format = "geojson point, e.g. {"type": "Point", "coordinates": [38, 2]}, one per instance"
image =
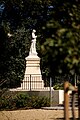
{"type": "Point", "coordinates": [33, 114]}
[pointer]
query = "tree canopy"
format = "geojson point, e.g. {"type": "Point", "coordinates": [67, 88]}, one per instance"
{"type": "Point", "coordinates": [58, 28]}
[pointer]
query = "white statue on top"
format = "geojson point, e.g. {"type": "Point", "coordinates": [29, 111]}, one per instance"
{"type": "Point", "coordinates": [33, 44]}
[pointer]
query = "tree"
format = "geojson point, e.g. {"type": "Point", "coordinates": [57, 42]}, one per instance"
{"type": "Point", "coordinates": [58, 28]}
{"type": "Point", "coordinates": [61, 45]}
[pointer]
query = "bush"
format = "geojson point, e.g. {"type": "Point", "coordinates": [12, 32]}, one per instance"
{"type": "Point", "coordinates": [22, 101]}
{"type": "Point", "coordinates": [38, 102]}
{"type": "Point", "coordinates": [3, 103]}
{"type": "Point", "coordinates": [7, 102]}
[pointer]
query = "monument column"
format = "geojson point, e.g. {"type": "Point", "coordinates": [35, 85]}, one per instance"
{"type": "Point", "coordinates": [32, 78]}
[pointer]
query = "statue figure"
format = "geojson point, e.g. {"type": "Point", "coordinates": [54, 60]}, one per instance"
{"type": "Point", "coordinates": [33, 44]}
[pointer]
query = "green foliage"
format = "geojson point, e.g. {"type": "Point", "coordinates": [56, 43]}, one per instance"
{"type": "Point", "coordinates": [7, 102]}
{"type": "Point", "coordinates": [60, 49]}
{"type": "Point", "coordinates": [58, 29]}
{"type": "Point", "coordinates": [38, 102]}
{"type": "Point", "coordinates": [12, 62]}
{"type": "Point", "coordinates": [22, 101]}
{"type": "Point", "coordinates": [58, 86]}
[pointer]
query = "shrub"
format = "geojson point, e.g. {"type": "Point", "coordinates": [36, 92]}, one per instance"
{"type": "Point", "coordinates": [38, 102]}
{"type": "Point", "coordinates": [22, 101]}
{"type": "Point", "coordinates": [7, 102]}
{"type": "Point", "coordinates": [3, 103]}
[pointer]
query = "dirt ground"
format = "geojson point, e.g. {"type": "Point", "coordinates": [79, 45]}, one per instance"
{"type": "Point", "coordinates": [33, 114]}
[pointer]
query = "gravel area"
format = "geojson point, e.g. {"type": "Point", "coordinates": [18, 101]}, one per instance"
{"type": "Point", "coordinates": [34, 114]}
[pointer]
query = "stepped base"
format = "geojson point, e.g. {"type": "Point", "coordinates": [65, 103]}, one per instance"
{"type": "Point", "coordinates": [32, 76]}
{"type": "Point", "coordinates": [32, 82]}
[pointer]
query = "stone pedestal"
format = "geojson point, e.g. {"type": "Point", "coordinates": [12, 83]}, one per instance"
{"type": "Point", "coordinates": [32, 65]}
{"type": "Point", "coordinates": [32, 78]}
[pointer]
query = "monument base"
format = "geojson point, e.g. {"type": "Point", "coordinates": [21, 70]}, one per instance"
{"type": "Point", "coordinates": [32, 78]}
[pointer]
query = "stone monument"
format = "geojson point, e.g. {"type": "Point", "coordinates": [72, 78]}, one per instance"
{"type": "Point", "coordinates": [32, 77]}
